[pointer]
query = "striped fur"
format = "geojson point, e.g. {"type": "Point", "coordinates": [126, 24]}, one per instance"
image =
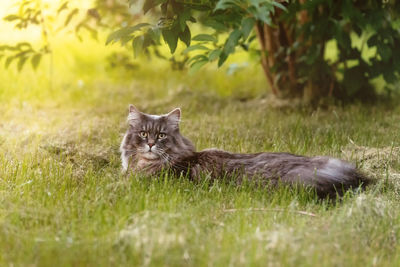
{"type": "Point", "coordinates": [329, 176]}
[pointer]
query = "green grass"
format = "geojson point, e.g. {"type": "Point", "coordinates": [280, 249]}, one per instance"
{"type": "Point", "coordinates": [64, 201]}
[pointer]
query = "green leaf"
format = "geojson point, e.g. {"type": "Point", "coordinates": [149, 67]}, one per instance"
{"type": "Point", "coordinates": [384, 51]}
{"type": "Point", "coordinates": [137, 45]}
{"type": "Point", "coordinates": [70, 15]}
{"type": "Point", "coordinates": [21, 63]}
{"type": "Point", "coordinates": [154, 34]}
{"type": "Point", "coordinates": [229, 46]}
{"type": "Point", "coordinates": [214, 54]}
{"type": "Point", "coordinates": [263, 13]}
{"type": "Point", "coordinates": [36, 60]}
{"type": "Point", "coordinates": [124, 32]}
{"type": "Point", "coordinates": [232, 41]}
{"type": "Point", "coordinates": [257, 2]}
{"type": "Point", "coordinates": [183, 17]}
{"type": "Point", "coordinates": [216, 25]}
{"type": "Point", "coordinates": [149, 4]}
{"type": "Point", "coordinates": [195, 47]}
{"type": "Point", "coordinates": [353, 79]}
{"type": "Point", "coordinates": [205, 37]}
{"type": "Point", "coordinates": [92, 31]}
{"type": "Point", "coordinates": [185, 36]}
{"type": "Point", "coordinates": [198, 58]}
{"type": "Point", "coordinates": [8, 61]}
{"type": "Point", "coordinates": [196, 66]}
{"type": "Point", "coordinates": [247, 26]}
{"type": "Point", "coordinates": [390, 77]}
{"type": "Point", "coordinates": [171, 38]}
{"type": "Point", "coordinates": [279, 5]}
{"type": "Point", "coordinates": [225, 4]}
{"type": "Point", "coordinates": [8, 47]}
{"type": "Point", "coordinates": [24, 44]}
{"type": "Point", "coordinates": [222, 58]}
{"type": "Point", "coordinates": [62, 7]}
{"type": "Point", "coordinates": [11, 17]}
{"type": "Point", "coordinates": [373, 41]}
{"type": "Point", "coordinates": [342, 37]}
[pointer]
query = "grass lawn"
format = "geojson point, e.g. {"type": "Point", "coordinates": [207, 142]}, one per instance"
{"type": "Point", "coordinates": [64, 201]}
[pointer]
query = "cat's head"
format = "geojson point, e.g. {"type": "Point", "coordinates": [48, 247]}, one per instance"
{"type": "Point", "coordinates": [157, 136]}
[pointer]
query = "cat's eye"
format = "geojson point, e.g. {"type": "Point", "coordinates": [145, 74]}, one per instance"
{"type": "Point", "coordinates": [143, 134]}
{"type": "Point", "coordinates": [162, 135]}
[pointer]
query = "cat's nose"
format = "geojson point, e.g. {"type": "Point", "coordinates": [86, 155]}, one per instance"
{"type": "Point", "coordinates": [150, 145]}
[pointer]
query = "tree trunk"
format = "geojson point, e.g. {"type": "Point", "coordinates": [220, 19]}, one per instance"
{"type": "Point", "coordinates": [272, 40]}
{"type": "Point", "coordinates": [280, 59]}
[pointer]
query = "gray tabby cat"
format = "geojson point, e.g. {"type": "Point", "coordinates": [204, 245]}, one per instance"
{"type": "Point", "coordinates": [154, 143]}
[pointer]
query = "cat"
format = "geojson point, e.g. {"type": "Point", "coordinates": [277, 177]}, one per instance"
{"type": "Point", "coordinates": [153, 143]}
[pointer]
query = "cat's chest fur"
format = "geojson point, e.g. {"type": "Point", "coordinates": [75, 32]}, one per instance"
{"type": "Point", "coordinates": [148, 166]}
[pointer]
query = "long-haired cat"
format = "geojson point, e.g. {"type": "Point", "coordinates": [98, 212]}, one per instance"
{"type": "Point", "coordinates": [154, 143]}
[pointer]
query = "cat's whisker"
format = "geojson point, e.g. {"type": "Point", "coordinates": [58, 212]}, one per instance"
{"type": "Point", "coordinates": [168, 158]}
{"type": "Point", "coordinates": [165, 157]}
{"type": "Point", "coordinates": [174, 163]}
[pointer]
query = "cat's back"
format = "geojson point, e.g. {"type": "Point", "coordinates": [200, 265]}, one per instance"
{"type": "Point", "coordinates": [326, 174]}
{"type": "Point", "coordinates": [269, 163]}
{"type": "Point", "coordinates": [218, 154]}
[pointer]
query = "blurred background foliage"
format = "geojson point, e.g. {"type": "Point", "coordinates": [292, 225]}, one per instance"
{"type": "Point", "coordinates": [310, 50]}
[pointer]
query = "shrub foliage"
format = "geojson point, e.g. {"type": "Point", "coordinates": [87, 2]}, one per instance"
{"type": "Point", "coordinates": [289, 38]}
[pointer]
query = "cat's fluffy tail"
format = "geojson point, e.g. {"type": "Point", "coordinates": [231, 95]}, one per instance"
{"type": "Point", "coordinates": [334, 178]}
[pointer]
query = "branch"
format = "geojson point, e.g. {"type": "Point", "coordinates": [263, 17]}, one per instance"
{"type": "Point", "coordinates": [264, 62]}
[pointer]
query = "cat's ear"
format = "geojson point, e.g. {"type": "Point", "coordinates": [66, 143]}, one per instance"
{"type": "Point", "coordinates": [175, 115]}
{"type": "Point", "coordinates": [132, 109]}
{"type": "Point", "coordinates": [134, 114]}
